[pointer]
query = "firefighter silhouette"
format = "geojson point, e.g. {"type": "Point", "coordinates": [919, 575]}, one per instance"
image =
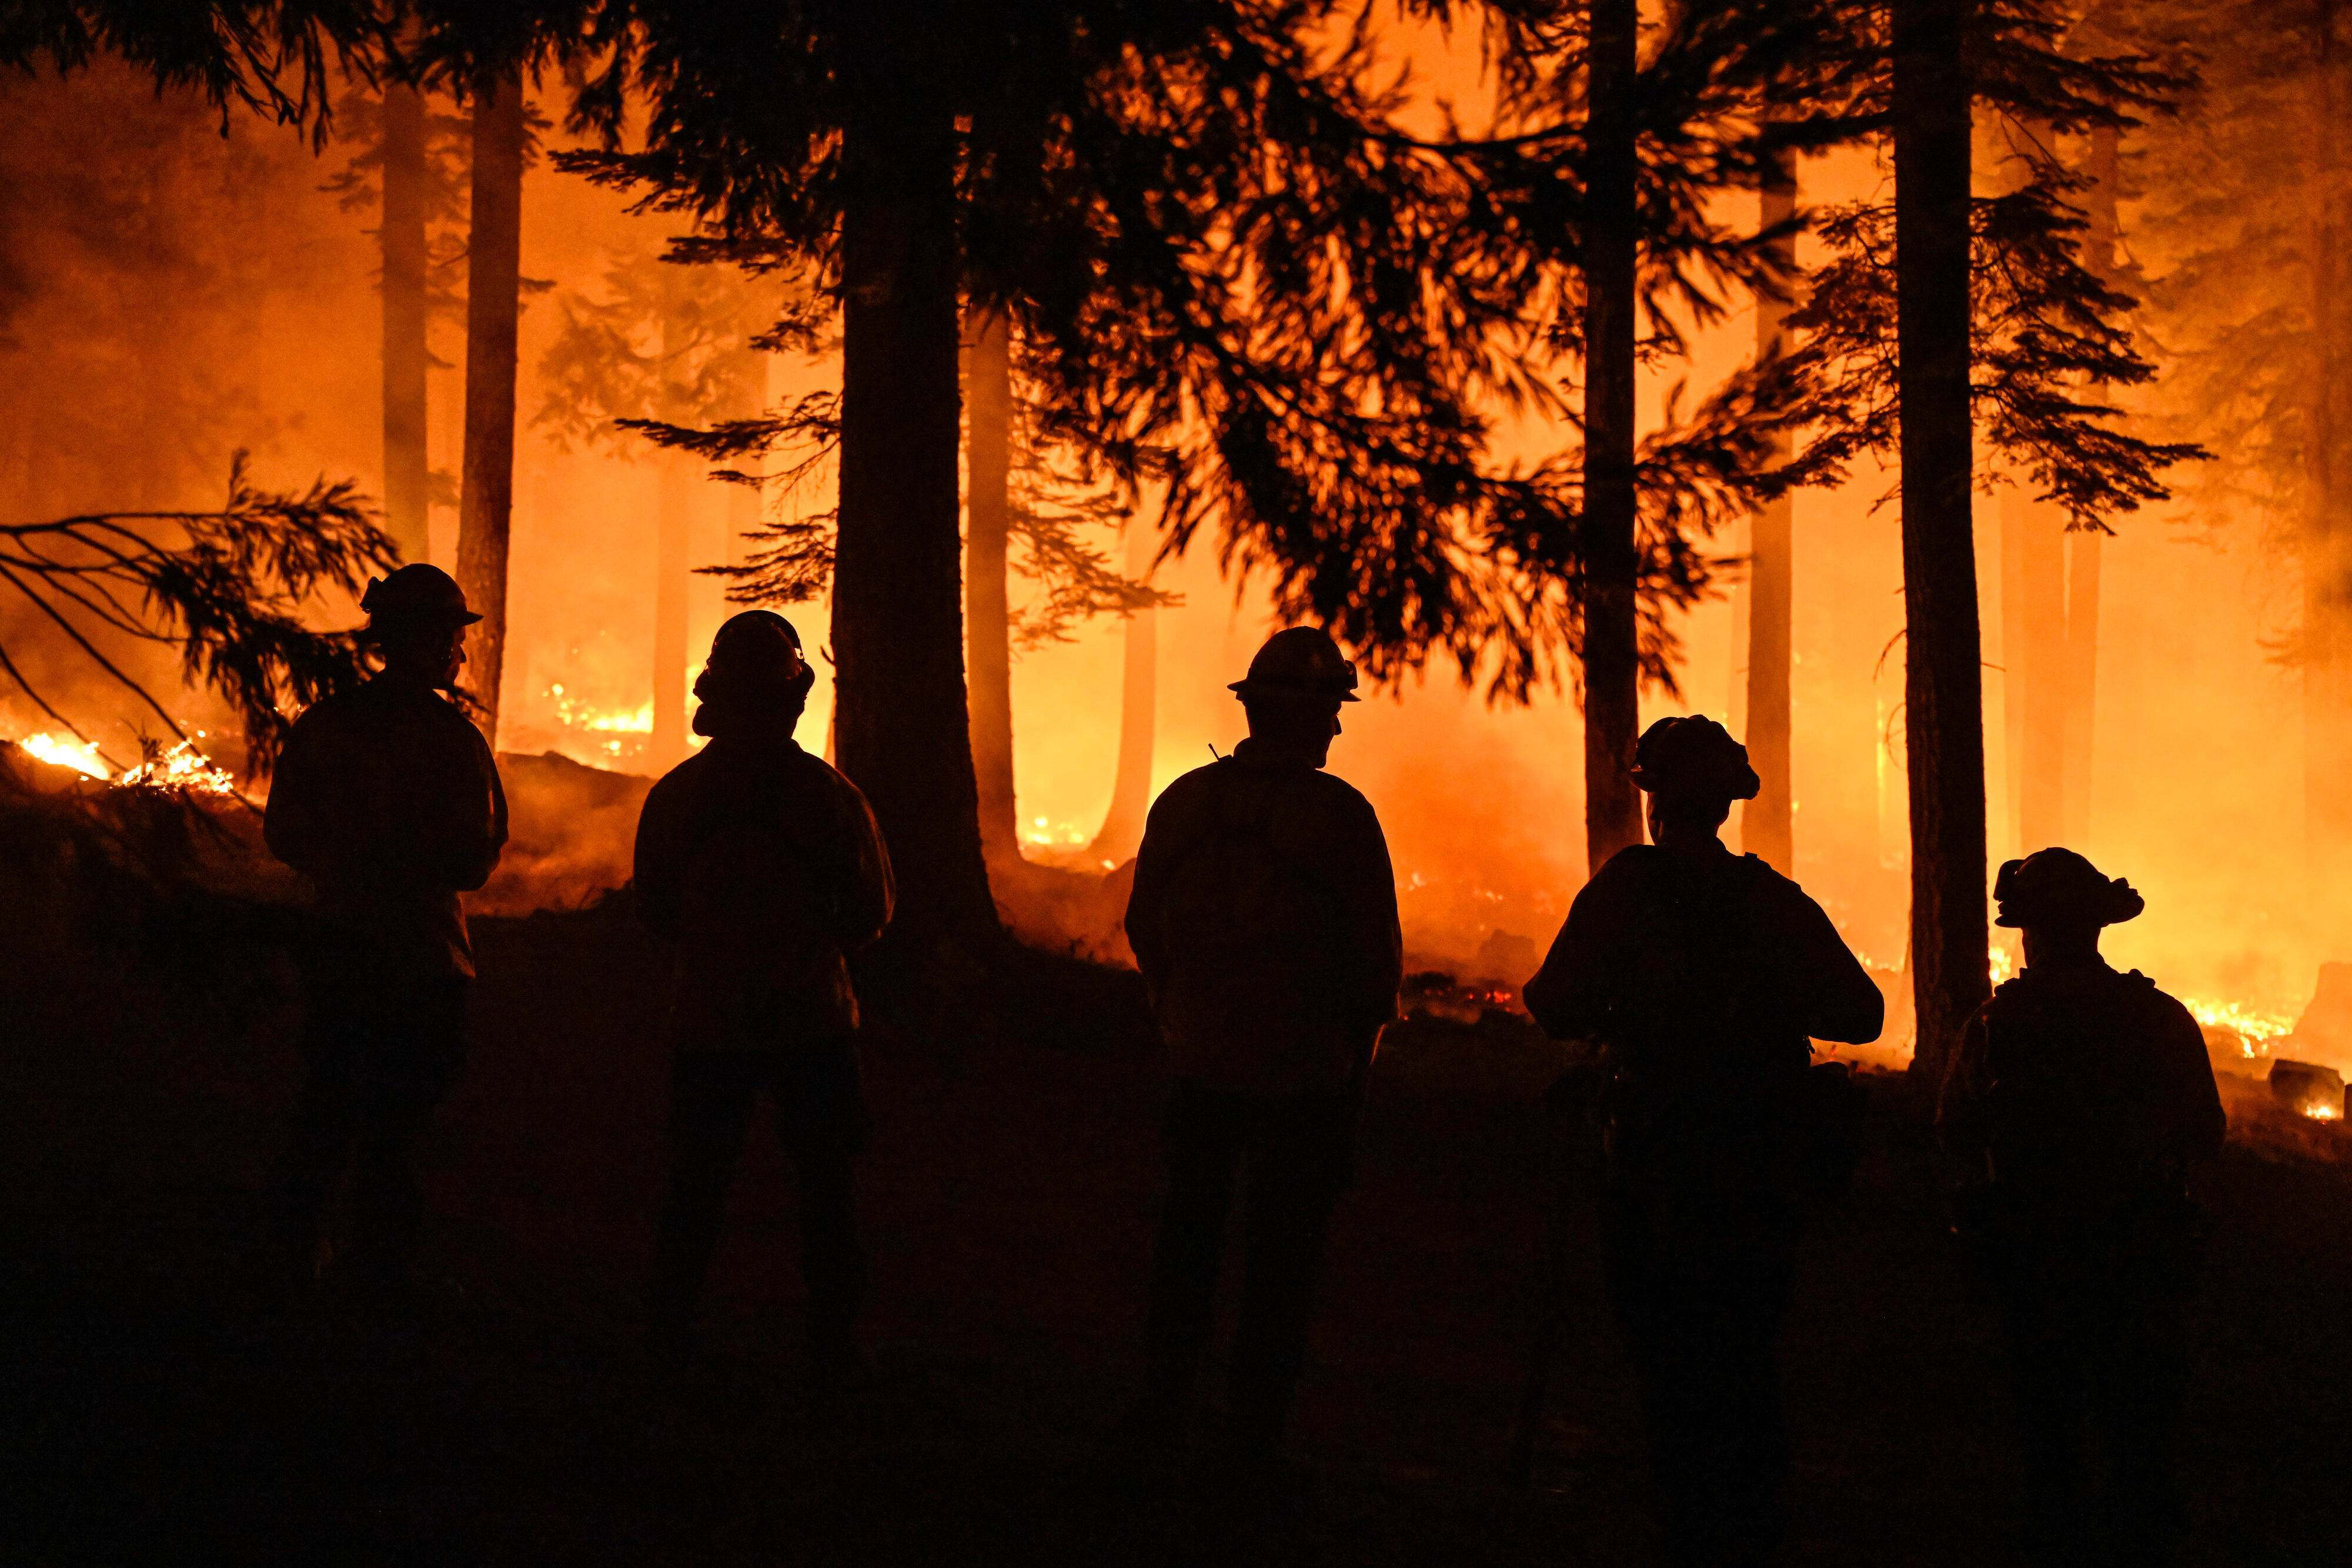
{"type": "Point", "coordinates": [1704, 976]}
{"type": "Point", "coordinates": [388, 800]}
{"type": "Point", "coordinates": [1264, 921]}
{"type": "Point", "coordinates": [2072, 1110]}
{"type": "Point", "coordinates": [763, 868]}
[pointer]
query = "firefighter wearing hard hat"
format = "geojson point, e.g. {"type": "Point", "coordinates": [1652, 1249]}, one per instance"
{"type": "Point", "coordinates": [387, 799]}
{"type": "Point", "coordinates": [1264, 921]}
{"type": "Point", "coordinates": [2072, 1110]}
{"type": "Point", "coordinates": [1705, 976]}
{"type": "Point", "coordinates": [764, 871]}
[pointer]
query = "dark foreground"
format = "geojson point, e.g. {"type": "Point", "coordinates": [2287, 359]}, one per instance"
{"type": "Point", "coordinates": [149, 1412]}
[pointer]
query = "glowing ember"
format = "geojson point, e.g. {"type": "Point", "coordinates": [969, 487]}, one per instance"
{"type": "Point", "coordinates": [181, 767]}
{"type": "Point", "coordinates": [578, 715]}
{"type": "Point", "coordinates": [1045, 833]}
{"type": "Point", "coordinates": [79, 755]}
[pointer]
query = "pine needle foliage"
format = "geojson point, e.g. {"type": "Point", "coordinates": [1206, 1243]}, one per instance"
{"type": "Point", "coordinates": [1248, 304]}
{"type": "Point", "coordinates": [2050, 339]}
{"type": "Point", "coordinates": [226, 586]}
{"type": "Point", "coordinates": [271, 57]}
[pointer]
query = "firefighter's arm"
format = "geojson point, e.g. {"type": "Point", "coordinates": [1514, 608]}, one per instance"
{"type": "Point", "coordinates": [2196, 1097]}
{"type": "Point", "coordinates": [1842, 1003]}
{"type": "Point", "coordinates": [289, 824]}
{"type": "Point", "coordinates": [1380, 933]}
{"type": "Point", "coordinates": [1570, 995]}
{"type": "Point", "coordinates": [872, 893]}
{"type": "Point", "coordinates": [1146, 899]}
{"type": "Point", "coordinates": [466, 812]}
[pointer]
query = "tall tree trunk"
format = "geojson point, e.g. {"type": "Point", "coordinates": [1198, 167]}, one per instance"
{"type": "Point", "coordinates": [2084, 549]}
{"type": "Point", "coordinates": [1613, 714]}
{"type": "Point", "coordinates": [903, 731]}
{"type": "Point", "coordinates": [1943, 687]}
{"type": "Point", "coordinates": [2034, 654]}
{"type": "Point", "coordinates": [405, 360]}
{"type": "Point", "coordinates": [988, 616]}
{"type": "Point", "coordinates": [2326, 561]}
{"type": "Point", "coordinates": [493, 302]}
{"type": "Point", "coordinates": [673, 579]}
{"type": "Point", "coordinates": [677, 474]}
{"type": "Point", "coordinates": [1139, 698]}
{"type": "Point", "coordinates": [2036, 668]}
{"type": "Point", "coordinates": [2013, 665]}
{"type": "Point", "coordinates": [2085, 546]}
{"type": "Point", "coordinates": [1767, 824]}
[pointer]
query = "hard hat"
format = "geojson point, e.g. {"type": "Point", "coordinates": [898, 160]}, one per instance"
{"type": "Point", "coordinates": [417, 592]}
{"type": "Point", "coordinates": [1300, 659]}
{"type": "Point", "coordinates": [2056, 886]}
{"type": "Point", "coordinates": [755, 653]}
{"type": "Point", "coordinates": [1696, 756]}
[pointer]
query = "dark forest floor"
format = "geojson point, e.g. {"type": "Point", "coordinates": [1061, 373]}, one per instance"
{"type": "Point", "coordinates": [148, 1412]}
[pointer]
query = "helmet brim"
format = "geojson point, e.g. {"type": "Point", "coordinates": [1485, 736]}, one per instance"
{"type": "Point", "coordinates": [420, 614]}
{"type": "Point", "coordinates": [1245, 686]}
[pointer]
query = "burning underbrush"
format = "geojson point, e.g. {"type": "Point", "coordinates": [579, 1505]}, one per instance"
{"type": "Point", "coordinates": [2281, 1075]}
{"type": "Point", "coordinates": [95, 856]}
{"type": "Point", "coordinates": [172, 822]}
{"type": "Point", "coordinates": [149, 883]}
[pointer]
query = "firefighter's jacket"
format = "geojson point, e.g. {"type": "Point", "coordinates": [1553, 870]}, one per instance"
{"type": "Point", "coordinates": [765, 869]}
{"type": "Point", "coordinates": [1706, 978]}
{"type": "Point", "coordinates": [1702, 966]}
{"type": "Point", "coordinates": [1264, 921]}
{"type": "Point", "coordinates": [388, 799]}
{"type": "Point", "coordinates": [2078, 1088]}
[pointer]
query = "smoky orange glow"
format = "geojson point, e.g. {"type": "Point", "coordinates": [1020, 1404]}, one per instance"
{"type": "Point", "coordinates": [2196, 770]}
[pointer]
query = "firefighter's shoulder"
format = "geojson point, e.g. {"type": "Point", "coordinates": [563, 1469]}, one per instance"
{"type": "Point", "coordinates": [2158, 1001]}
{"type": "Point", "coordinates": [1334, 793]}
{"type": "Point", "coordinates": [1629, 867]}
{"type": "Point", "coordinates": [812, 772]}
{"type": "Point", "coordinates": [1188, 789]}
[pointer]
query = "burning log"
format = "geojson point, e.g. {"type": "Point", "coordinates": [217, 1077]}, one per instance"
{"type": "Point", "coordinates": [2308, 1088]}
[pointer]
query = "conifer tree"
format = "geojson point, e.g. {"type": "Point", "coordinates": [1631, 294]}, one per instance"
{"type": "Point", "coordinates": [1026, 515]}
{"type": "Point", "coordinates": [657, 346]}
{"type": "Point", "coordinates": [406, 276]}
{"type": "Point", "coordinates": [490, 55]}
{"type": "Point", "coordinates": [988, 616]}
{"type": "Point", "coordinates": [1942, 688]}
{"type": "Point", "coordinates": [1610, 261]}
{"type": "Point", "coordinates": [227, 588]}
{"type": "Point", "coordinates": [409, 168]}
{"type": "Point", "coordinates": [1633, 133]}
{"type": "Point", "coordinates": [493, 309]}
{"type": "Point", "coordinates": [271, 57]}
{"type": "Point", "coordinates": [1768, 823]}
{"type": "Point", "coordinates": [1944, 317]}
{"type": "Point", "coordinates": [1121, 833]}
{"type": "Point", "coordinates": [1236, 286]}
